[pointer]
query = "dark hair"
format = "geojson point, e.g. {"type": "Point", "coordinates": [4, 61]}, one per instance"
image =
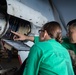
{"type": "Point", "coordinates": [72, 23]}
{"type": "Point", "coordinates": [51, 28]}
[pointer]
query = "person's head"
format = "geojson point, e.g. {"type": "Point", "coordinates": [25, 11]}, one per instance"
{"type": "Point", "coordinates": [71, 30]}
{"type": "Point", "coordinates": [50, 30]}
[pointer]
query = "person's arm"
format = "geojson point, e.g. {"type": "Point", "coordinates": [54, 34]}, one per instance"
{"type": "Point", "coordinates": [21, 37]}
{"type": "Point", "coordinates": [33, 61]}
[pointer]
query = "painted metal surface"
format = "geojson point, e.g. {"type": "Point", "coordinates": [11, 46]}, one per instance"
{"type": "Point", "coordinates": [41, 6]}
{"type": "Point", "coordinates": [24, 12]}
{"type": "Point", "coordinates": [3, 25]}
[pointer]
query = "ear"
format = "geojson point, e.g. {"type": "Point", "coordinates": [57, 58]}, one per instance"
{"type": "Point", "coordinates": [45, 34]}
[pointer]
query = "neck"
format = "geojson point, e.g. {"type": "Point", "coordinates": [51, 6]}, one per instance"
{"type": "Point", "coordinates": [47, 38]}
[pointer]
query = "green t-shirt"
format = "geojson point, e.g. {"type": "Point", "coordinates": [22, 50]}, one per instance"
{"type": "Point", "coordinates": [48, 58]}
{"type": "Point", "coordinates": [70, 46]}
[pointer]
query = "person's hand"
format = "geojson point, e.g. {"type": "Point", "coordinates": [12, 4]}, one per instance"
{"type": "Point", "coordinates": [18, 36]}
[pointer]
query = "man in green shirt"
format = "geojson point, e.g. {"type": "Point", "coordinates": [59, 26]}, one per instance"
{"type": "Point", "coordinates": [47, 57]}
{"type": "Point", "coordinates": [70, 42]}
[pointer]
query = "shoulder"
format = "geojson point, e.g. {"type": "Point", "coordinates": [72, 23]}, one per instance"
{"type": "Point", "coordinates": [66, 39]}
{"type": "Point", "coordinates": [43, 45]}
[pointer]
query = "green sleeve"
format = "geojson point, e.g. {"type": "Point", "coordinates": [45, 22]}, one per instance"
{"type": "Point", "coordinates": [32, 65]}
{"type": "Point", "coordinates": [36, 39]}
